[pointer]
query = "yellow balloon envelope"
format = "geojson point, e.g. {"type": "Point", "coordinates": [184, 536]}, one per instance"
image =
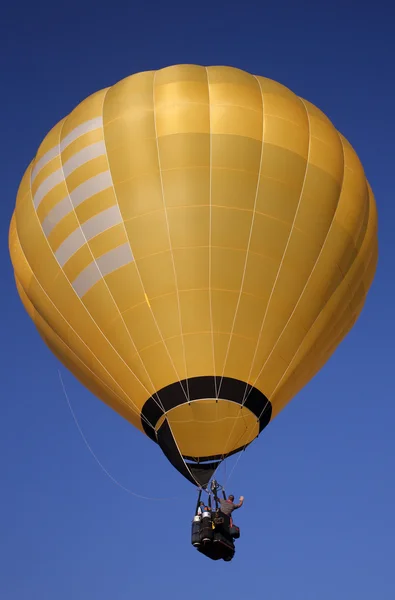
{"type": "Point", "coordinates": [193, 244]}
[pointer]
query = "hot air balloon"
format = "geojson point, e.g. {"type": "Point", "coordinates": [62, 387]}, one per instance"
{"type": "Point", "coordinates": [193, 244]}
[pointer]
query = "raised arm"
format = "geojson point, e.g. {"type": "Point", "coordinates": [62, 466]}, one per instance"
{"type": "Point", "coordinates": [241, 500]}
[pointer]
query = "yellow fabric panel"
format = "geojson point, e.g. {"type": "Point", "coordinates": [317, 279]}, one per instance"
{"type": "Point", "coordinates": [50, 167]}
{"type": "Point", "coordinates": [163, 282]}
{"type": "Point", "coordinates": [191, 267]}
{"type": "Point", "coordinates": [125, 287]}
{"type": "Point", "coordinates": [195, 310]}
{"type": "Point", "coordinates": [99, 245]}
{"type": "Point", "coordinates": [86, 171]}
{"type": "Point", "coordinates": [198, 352]}
{"type": "Point", "coordinates": [83, 141]}
{"type": "Point", "coordinates": [73, 352]}
{"type": "Point", "coordinates": [127, 106]}
{"type": "Point", "coordinates": [175, 113]}
{"type": "Point", "coordinates": [189, 226]}
{"type": "Point", "coordinates": [52, 198]}
{"type": "Point", "coordinates": [147, 230]}
{"type": "Point", "coordinates": [164, 366]}
{"type": "Point", "coordinates": [149, 234]}
{"type": "Point", "coordinates": [55, 285]}
{"type": "Point", "coordinates": [208, 428]}
{"type": "Point", "coordinates": [95, 204]}
{"type": "Point", "coordinates": [88, 109]}
{"type": "Point", "coordinates": [231, 232]}
{"type": "Point", "coordinates": [73, 362]}
{"type": "Point", "coordinates": [101, 306]}
{"type": "Point", "coordinates": [313, 352]}
{"type": "Point", "coordinates": [78, 262]}
{"type": "Point", "coordinates": [235, 106]}
{"type": "Point", "coordinates": [50, 141]}
{"type": "Point", "coordinates": [109, 239]}
{"type": "Point", "coordinates": [233, 354]}
{"type": "Point", "coordinates": [62, 230]}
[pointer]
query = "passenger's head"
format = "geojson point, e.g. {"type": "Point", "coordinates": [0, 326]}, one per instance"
{"type": "Point", "coordinates": [231, 497]}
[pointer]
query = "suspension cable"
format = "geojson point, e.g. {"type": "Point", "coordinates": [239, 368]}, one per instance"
{"type": "Point", "coordinates": [115, 481]}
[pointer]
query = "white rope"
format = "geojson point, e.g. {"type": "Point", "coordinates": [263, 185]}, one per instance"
{"type": "Point", "coordinates": [210, 291]}
{"type": "Point", "coordinates": [127, 490]}
{"type": "Point", "coordinates": [186, 394]}
{"type": "Point", "coordinates": [227, 479]}
{"type": "Point", "coordinates": [258, 181]}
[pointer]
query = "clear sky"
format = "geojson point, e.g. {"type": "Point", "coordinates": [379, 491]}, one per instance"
{"type": "Point", "coordinates": [318, 521]}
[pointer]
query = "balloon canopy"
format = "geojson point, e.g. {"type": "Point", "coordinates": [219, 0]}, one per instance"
{"type": "Point", "coordinates": [193, 244]}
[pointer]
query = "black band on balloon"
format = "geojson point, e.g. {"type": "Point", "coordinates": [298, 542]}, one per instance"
{"type": "Point", "coordinates": [199, 469]}
{"type": "Point", "coordinates": [201, 388]}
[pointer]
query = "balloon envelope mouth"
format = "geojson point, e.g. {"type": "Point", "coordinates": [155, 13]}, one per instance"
{"type": "Point", "coordinates": [190, 423]}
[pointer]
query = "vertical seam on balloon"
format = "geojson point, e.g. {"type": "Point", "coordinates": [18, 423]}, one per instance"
{"type": "Point", "coordinates": [283, 256]}
{"type": "Point", "coordinates": [306, 284]}
{"type": "Point", "coordinates": [329, 341]}
{"type": "Point", "coordinates": [353, 317]}
{"type": "Point", "coordinates": [140, 279]}
{"type": "Point", "coordinates": [187, 396]}
{"type": "Point", "coordinates": [347, 306]}
{"type": "Point", "coordinates": [136, 411]}
{"type": "Point", "coordinates": [68, 280]}
{"type": "Point", "coordinates": [307, 281]}
{"type": "Point", "coordinates": [250, 235]}
{"type": "Point", "coordinates": [97, 266]}
{"type": "Point", "coordinates": [245, 267]}
{"type": "Point", "coordinates": [367, 207]}
{"type": "Point", "coordinates": [210, 237]}
{"type": "Point", "coordinates": [353, 287]}
{"type": "Point", "coordinates": [131, 251]}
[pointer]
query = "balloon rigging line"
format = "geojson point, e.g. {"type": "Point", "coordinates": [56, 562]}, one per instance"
{"type": "Point", "coordinates": [247, 391]}
{"type": "Point", "coordinates": [210, 241]}
{"type": "Point", "coordinates": [82, 341]}
{"type": "Point", "coordinates": [115, 481]}
{"type": "Point", "coordinates": [223, 462]}
{"type": "Point", "coordinates": [227, 479]}
{"type": "Point", "coordinates": [187, 394]}
{"type": "Point", "coordinates": [106, 284]}
{"type": "Point", "coordinates": [254, 210]}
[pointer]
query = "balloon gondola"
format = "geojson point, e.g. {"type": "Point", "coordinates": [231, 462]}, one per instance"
{"type": "Point", "coordinates": [213, 531]}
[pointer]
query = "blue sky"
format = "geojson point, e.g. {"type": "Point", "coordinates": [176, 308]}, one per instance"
{"type": "Point", "coordinates": [318, 520]}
